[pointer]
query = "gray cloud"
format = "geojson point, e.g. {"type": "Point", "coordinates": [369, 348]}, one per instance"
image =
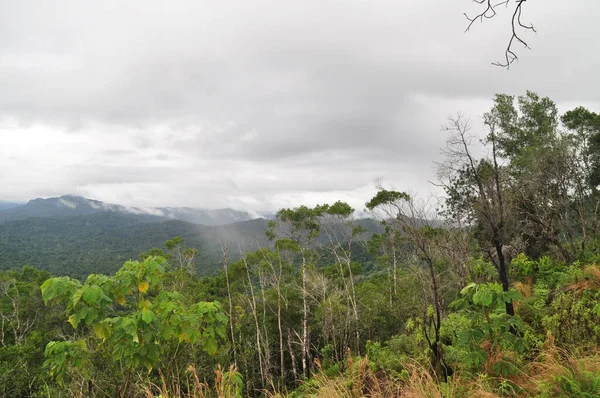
{"type": "Point", "coordinates": [259, 104]}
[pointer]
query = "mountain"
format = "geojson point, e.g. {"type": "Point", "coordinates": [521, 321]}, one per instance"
{"type": "Point", "coordinates": [8, 205]}
{"type": "Point", "coordinates": [101, 242]}
{"type": "Point", "coordinates": [75, 236]}
{"type": "Point", "coordinates": [70, 205]}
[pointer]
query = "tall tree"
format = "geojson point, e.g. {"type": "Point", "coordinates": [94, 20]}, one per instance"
{"type": "Point", "coordinates": [476, 191]}
{"type": "Point", "coordinates": [337, 224]}
{"type": "Point", "coordinates": [297, 229]}
{"type": "Point", "coordinates": [416, 223]}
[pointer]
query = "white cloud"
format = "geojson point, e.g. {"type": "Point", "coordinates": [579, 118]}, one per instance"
{"type": "Point", "coordinates": [259, 104]}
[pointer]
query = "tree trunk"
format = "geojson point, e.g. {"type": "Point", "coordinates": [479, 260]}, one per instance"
{"type": "Point", "coordinates": [503, 273]}
{"type": "Point", "coordinates": [304, 341]}
{"type": "Point", "coordinates": [231, 326]}
{"type": "Point", "coordinates": [292, 356]}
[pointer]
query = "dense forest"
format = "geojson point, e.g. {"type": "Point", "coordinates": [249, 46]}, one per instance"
{"type": "Point", "coordinates": [491, 290]}
{"type": "Point", "coordinates": [77, 246]}
{"type": "Point", "coordinates": [100, 243]}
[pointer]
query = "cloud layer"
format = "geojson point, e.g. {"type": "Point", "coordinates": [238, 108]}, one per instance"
{"type": "Point", "coordinates": [259, 104]}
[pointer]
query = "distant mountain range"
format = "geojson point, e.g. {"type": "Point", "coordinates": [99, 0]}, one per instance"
{"type": "Point", "coordinates": [75, 236]}
{"type": "Point", "coordinates": [70, 205]}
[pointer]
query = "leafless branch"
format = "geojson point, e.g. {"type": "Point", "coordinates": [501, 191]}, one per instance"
{"type": "Point", "coordinates": [516, 26]}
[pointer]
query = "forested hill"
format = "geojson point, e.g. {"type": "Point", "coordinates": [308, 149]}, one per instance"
{"type": "Point", "coordinates": [70, 205]}
{"type": "Point", "coordinates": [101, 242]}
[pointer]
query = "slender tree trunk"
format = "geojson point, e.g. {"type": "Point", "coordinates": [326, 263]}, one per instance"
{"type": "Point", "coordinates": [280, 329]}
{"type": "Point", "coordinates": [503, 273]}
{"type": "Point", "coordinates": [292, 355]}
{"type": "Point", "coordinates": [230, 301]}
{"type": "Point", "coordinates": [256, 324]}
{"type": "Point", "coordinates": [354, 305]}
{"type": "Point", "coordinates": [304, 341]}
{"type": "Point", "coordinates": [265, 333]}
{"type": "Point", "coordinates": [395, 269]}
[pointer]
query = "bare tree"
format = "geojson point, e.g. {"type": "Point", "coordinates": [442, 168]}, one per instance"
{"type": "Point", "coordinates": [274, 277]}
{"type": "Point", "coordinates": [489, 8]}
{"type": "Point", "coordinates": [476, 191]}
{"type": "Point", "coordinates": [254, 307]}
{"type": "Point", "coordinates": [225, 265]}
{"type": "Point", "coordinates": [297, 229]}
{"type": "Point", "coordinates": [417, 224]}
{"type": "Point", "coordinates": [13, 318]}
{"type": "Point", "coordinates": [337, 224]}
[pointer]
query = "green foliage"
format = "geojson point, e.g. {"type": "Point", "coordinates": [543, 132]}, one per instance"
{"type": "Point", "coordinates": [100, 243]}
{"type": "Point", "coordinates": [386, 197]}
{"type": "Point", "coordinates": [61, 355]}
{"type": "Point", "coordinates": [585, 384]}
{"type": "Point", "coordinates": [302, 223]}
{"type": "Point", "coordinates": [485, 328]}
{"type": "Point", "coordinates": [21, 374]}
{"type": "Point", "coordinates": [131, 316]}
{"type": "Point", "coordinates": [522, 266]}
{"type": "Point", "coordinates": [397, 353]}
{"type": "Point", "coordinates": [25, 328]}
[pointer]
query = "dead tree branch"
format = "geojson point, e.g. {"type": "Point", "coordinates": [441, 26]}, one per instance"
{"type": "Point", "coordinates": [517, 27]}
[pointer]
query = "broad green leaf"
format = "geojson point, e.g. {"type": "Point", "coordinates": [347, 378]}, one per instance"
{"type": "Point", "coordinates": [91, 316]}
{"type": "Point", "coordinates": [73, 321]}
{"type": "Point", "coordinates": [102, 330]}
{"type": "Point", "coordinates": [47, 290]}
{"type": "Point", "coordinates": [183, 337]}
{"type": "Point", "coordinates": [210, 345]}
{"type": "Point", "coordinates": [91, 294]}
{"type": "Point", "coordinates": [147, 316]}
{"type": "Point", "coordinates": [486, 297]}
{"type": "Point", "coordinates": [468, 288]}
{"type": "Point", "coordinates": [76, 297]}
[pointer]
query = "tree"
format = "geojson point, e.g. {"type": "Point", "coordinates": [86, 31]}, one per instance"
{"type": "Point", "coordinates": [337, 224]}
{"type": "Point", "coordinates": [549, 171]}
{"type": "Point", "coordinates": [25, 327]}
{"type": "Point", "coordinates": [584, 135]}
{"type": "Point", "coordinates": [416, 225]}
{"type": "Point", "coordinates": [489, 8]}
{"type": "Point", "coordinates": [133, 320]}
{"type": "Point", "coordinates": [476, 192]}
{"type": "Point", "coordinates": [296, 230]}
{"type": "Point", "coordinates": [181, 256]}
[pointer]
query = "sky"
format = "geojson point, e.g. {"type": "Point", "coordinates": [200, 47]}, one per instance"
{"type": "Point", "coordinates": [261, 104]}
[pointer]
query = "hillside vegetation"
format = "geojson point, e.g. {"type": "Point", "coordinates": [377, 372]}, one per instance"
{"type": "Point", "coordinates": [100, 243]}
{"type": "Point", "coordinates": [502, 301]}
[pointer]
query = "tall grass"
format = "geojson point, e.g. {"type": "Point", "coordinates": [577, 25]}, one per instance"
{"type": "Point", "coordinates": [554, 373]}
{"type": "Point", "coordinates": [227, 384]}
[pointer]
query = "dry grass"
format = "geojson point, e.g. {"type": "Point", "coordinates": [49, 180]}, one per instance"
{"type": "Point", "coordinates": [554, 373]}
{"type": "Point", "coordinates": [591, 280]}
{"type": "Point", "coordinates": [558, 373]}
{"type": "Point", "coordinates": [223, 386]}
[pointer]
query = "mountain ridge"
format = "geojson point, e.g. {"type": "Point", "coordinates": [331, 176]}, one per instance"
{"type": "Point", "coordinates": [73, 205]}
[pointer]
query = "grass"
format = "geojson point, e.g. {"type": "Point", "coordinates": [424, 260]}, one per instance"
{"type": "Point", "coordinates": [554, 373]}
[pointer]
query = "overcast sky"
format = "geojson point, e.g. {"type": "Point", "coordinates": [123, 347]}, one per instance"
{"type": "Point", "coordinates": [261, 104]}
